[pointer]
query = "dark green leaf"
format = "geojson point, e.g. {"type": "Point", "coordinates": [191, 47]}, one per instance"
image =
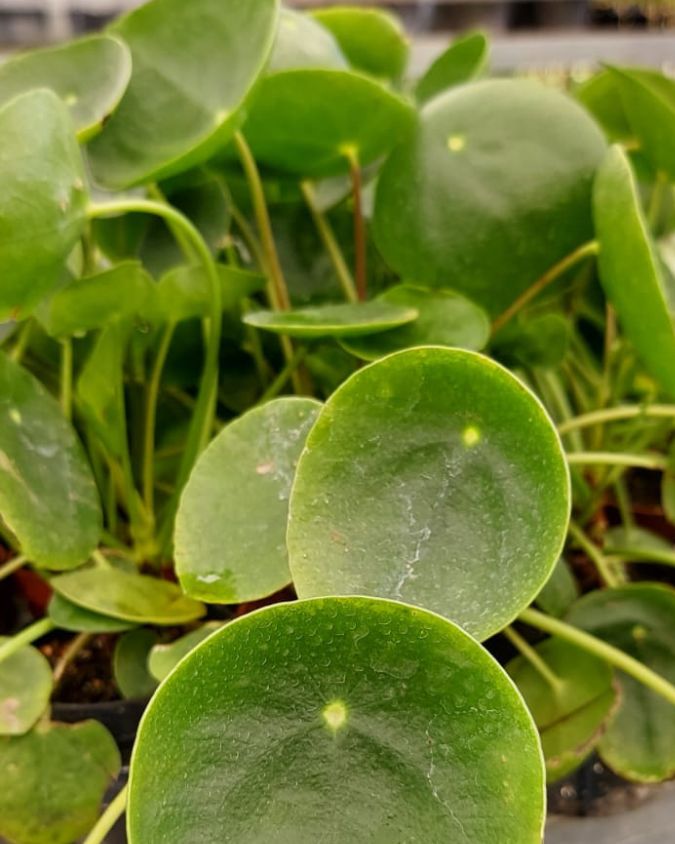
{"type": "Point", "coordinates": [130, 663]}
{"type": "Point", "coordinates": [69, 616]}
{"type": "Point", "coordinates": [560, 590]}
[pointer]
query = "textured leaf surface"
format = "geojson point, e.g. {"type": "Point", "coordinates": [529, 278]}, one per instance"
{"type": "Point", "coordinates": [337, 720]}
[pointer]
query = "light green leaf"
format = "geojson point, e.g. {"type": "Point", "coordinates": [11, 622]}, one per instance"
{"type": "Point", "coordinates": [43, 198]}
{"type": "Point", "coordinates": [164, 658]}
{"type": "Point", "coordinates": [491, 190]}
{"type": "Point", "coordinates": [337, 720]}
{"type": "Point", "coordinates": [344, 320]}
{"type": "Point", "coordinates": [464, 60]}
{"type": "Point", "coordinates": [53, 781]}
{"type": "Point", "coordinates": [433, 477]}
{"type": "Point", "coordinates": [90, 75]}
{"type": "Point", "coordinates": [302, 42]}
{"type": "Point", "coordinates": [48, 497]}
{"type": "Point", "coordinates": [179, 109]}
{"type": "Point", "coordinates": [69, 616]}
{"type": "Point", "coordinates": [230, 539]}
{"type": "Point", "coordinates": [630, 271]}
{"type": "Point", "coordinates": [25, 689]}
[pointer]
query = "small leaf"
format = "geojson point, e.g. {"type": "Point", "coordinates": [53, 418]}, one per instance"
{"type": "Point", "coordinates": [600, 96]}
{"type": "Point", "coordinates": [638, 618]}
{"type": "Point", "coordinates": [89, 75]}
{"type": "Point", "coordinates": [344, 320]}
{"type": "Point", "coordinates": [464, 60]}
{"type": "Point", "coordinates": [560, 590]}
{"type": "Point", "coordinates": [373, 40]}
{"type": "Point", "coordinates": [570, 716]}
{"type": "Point", "coordinates": [164, 658]}
{"type": "Point", "coordinates": [433, 477]}
{"type": "Point", "coordinates": [76, 619]}
{"type": "Point", "coordinates": [307, 121]}
{"type": "Point", "coordinates": [48, 497]}
{"type": "Point", "coordinates": [130, 663]}
{"type": "Point", "coordinates": [629, 268]}
{"type": "Point", "coordinates": [302, 42]}
{"type": "Point", "coordinates": [43, 198]}
{"type": "Point", "coordinates": [53, 781]}
{"type": "Point", "coordinates": [444, 318]}
{"type": "Point", "coordinates": [179, 109]}
{"type": "Point", "coordinates": [230, 540]}
{"type": "Point", "coordinates": [25, 689]}
{"type": "Point", "coordinates": [368, 720]}
{"type": "Point", "coordinates": [490, 191]}
{"type": "Point", "coordinates": [129, 597]}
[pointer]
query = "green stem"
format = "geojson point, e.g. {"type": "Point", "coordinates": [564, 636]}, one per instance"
{"type": "Point", "coordinates": [534, 659]}
{"type": "Point", "coordinates": [611, 458]}
{"type": "Point", "coordinates": [21, 344]}
{"type": "Point", "coordinates": [109, 818]}
{"type": "Point", "coordinates": [601, 649]}
{"type": "Point", "coordinates": [595, 554]}
{"type": "Point", "coordinates": [279, 382]}
{"type": "Point", "coordinates": [67, 378]}
{"type": "Point", "coordinates": [12, 565]}
{"type": "Point", "coordinates": [551, 382]}
{"type": "Point", "coordinates": [616, 414]}
{"type": "Point", "coordinates": [330, 242]}
{"type": "Point", "coordinates": [184, 243]}
{"type": "Point", "coordinates": [201, 422]}
{"type": "Point", "coordinates": [360, 269]}
{"type": "Point", "coordinates": [551, 275]}
{"type": "Point", "coordinates": [26, 637]}
{"type": "Point", "coordinates": [148, 473]}
{"type": "Point", "coordinates": [656, 200]}
{"type": "Point", "coordinates": [644, 555]}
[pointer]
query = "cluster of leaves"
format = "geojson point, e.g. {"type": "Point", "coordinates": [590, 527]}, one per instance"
{"type": "Point", "coordinates": [213, 215]}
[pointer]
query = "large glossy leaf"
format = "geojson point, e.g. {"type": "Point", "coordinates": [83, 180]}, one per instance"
{"type": "Point", "coordinates": [89, 75]}
{"type": "Point", "coordinates": [230, 539]}
{"type": "Point", "coordinates": [570, 712]}
{"type": "Point", "coordinates": [630, 271]}
{"type": "Point", "coordinates": [120, 294]}
{"type": "Point", "coordinates": [372, 39]}
{"type": "Point", "coordinates": [48, 497]}
{"type": "Point", "coordinates": [490, 191]}
{"type": "Point", "coordinates": [463, 60]}
{"type": "Point", "coordinates": [640, 619]}
{"type": "Point", "coordinates": [53, 781]}
{"type": "Point", "coordinates": [130, 663]}
{"type": "Point", "coordinates": [434, 477]}
{"type": "Point", "coordinates": [344, 320]}
{"type": "Point", "coordinates": [25, 688]}
{"type": "Point", "coordinates": [43, 198]}
{"type": "Point", "coordinates": [648, 100]}
{"type": "Point", "coordinates": [164, 658]}
{"type": "Point", "coordinates": [179, 109]}
{"type": "Point", "coordinates": [69, 616]}
{"type": "Point", "coordinates": [129, 597]}
{"type": "Point", "coordinates": [301, 42]}
{"type": "Point", "coordinates": [306, 121]}
{"type": "Point", "coordinates": [444, 319]}
{"type": "Point", "coordinates": [337, 720]}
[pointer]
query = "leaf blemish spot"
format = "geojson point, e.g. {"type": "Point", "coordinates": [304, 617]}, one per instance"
{"type": "Point", "coordinates": [15, 416]}
{"type": "Point", "coordinates": [264, 468]}
{"type": "Point", "coordinates": [456, 143]}
{"type": "Point", "coordinates": [471, 436]}
{"type": "Point", "coordinates": [335, 715]}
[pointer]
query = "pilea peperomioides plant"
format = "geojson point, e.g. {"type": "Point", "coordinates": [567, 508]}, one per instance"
{"type": "Point", "coordinates": [285, 326]}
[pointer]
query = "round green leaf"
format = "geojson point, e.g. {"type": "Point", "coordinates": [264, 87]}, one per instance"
{"type": "Point", "coordinates": [490, 191]}
{"type": "Point", "coordinates": [76, 619]}
{"type": "Point", "coordinates": [337, 720]}
{"type": "Point", "coordinates": [570, 713]}
{"type": "Point", "coordinates": [89, 75]}
{"type": "Point", "coordinates": [130, 597]}
{"type": "Point", "coordinates": [179, 109]}
{"type": "Point", "coordinates": [434, 477]}
{"type": "Point", "coordinates": [164, 658]}
{"type": "Point", "coordinates": [43, 198]}
{"type": "Point", "coordinates": [373, 40]}
{"type": "Point", "coordinates": [345, 320]}
{"type": "Point", "coordinates": [639, 618]}
{"type": "Point", "coordinates": [444, 318]}
{"type": "Point", "coordinates": [130, 663]}
{"type": "Point", "coordinates": [230, 540]}
{"type": "Point", "coordinates": [53, 781]}
{"type": "Point", "coordinates": [48, 497]}
{"type": "Point", "coordinates": [648, 100]}
{"type": "Point", "coordinates": [464, 59]}
{"type": "Point", "coordinates": [25, 688]}
{"type": "Point", "coordinates": [302, 42]}
{"type": "Point", "coordinates": [306, 122]}
{"type": "Point", "coordinates": [629, 267]}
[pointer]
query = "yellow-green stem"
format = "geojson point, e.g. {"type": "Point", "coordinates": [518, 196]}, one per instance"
{"type": "Point", "coordinates": [531, 655]}
{"type": "Point", "coordinates": [617, 414]}
{"type": "Point", "coordinates": [12, 565]}
{"type": "Point", "coordinates": [602, 564]}
{"type": "Point", "coordinates": [109, 818]}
